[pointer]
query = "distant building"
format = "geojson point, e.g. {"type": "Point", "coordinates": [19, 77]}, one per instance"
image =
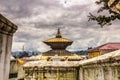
{"type": "Point", "coordinates": [16, 69]}
{"type": "Point", "coordinates": [82, 53]}
{"type": "Point", "coordinates": [14, 65]}
{"type": "Point", "coordinates": [105, 48]}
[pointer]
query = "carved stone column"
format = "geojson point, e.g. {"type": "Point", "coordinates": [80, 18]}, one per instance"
{"type": "Point", "coordinates": [7, 28]}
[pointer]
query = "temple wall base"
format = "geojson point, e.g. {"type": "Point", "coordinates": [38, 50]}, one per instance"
{"type": "Point", "coordinates": [105, 67]}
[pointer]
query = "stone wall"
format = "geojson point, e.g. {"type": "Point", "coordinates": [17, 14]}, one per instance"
{"type": "Point", "coordinates": [51, 73]}
{"type": "Point", "coordinates": [7, 28]}
{"type": "Point", "coordinates": [104, 67]}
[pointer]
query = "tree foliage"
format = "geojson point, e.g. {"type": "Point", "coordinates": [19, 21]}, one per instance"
{"type": "Point", "coordinates": [112, 6]}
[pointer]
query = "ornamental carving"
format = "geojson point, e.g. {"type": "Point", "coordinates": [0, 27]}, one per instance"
{"type": "Point", "coordinates": [6, 26]}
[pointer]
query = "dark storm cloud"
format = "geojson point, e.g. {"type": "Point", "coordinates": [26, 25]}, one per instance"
{"type": "Point", "coordinates": [69, 17]}
{"type": "Point", "coordinates": [74, 16]}
{"type": "Point", "coordinates": [15, 8]}
{"type": "Point", "coordinates": [24, 8]}
{"type": "Point", "coordinates": [24, 37]}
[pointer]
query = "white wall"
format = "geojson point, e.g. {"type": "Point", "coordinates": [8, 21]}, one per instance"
{"type": "Point", "coordinates": [105, 67]}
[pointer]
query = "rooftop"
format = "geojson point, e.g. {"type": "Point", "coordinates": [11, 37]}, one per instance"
{"type": "Point", "coordinates": [58, 38]}
{"type": "Point", "coordinates": [107, 46]}
{"type": "Point", "coordinates": [111, 56]}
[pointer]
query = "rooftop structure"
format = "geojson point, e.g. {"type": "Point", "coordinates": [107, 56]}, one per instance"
{"type": "Point", "coordinates": [58, 42]}
{"type": "Point", "coordinates": [105, 48]}
{"type": "Point", "coordinates": [59, 45]}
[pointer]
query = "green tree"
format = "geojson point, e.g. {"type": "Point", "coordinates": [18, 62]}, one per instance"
{"type": "Point", "coordinates": [112, 6]}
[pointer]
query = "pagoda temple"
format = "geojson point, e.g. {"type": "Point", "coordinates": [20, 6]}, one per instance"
{"type": "Point", "coordinates": [59, 45]}
{"type": "Point", "coordinates": [55, 64]}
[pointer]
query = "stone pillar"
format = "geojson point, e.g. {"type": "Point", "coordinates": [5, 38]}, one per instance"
{"type": "Point", "coordinates": [7, 28]}
{"type": "Point", "coordinates": [2, 55]}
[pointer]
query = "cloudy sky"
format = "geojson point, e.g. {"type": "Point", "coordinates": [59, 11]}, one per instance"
{"type": "Point", "coordinates": [38, 20]}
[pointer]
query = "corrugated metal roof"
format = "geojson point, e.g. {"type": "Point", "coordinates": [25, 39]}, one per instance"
{"type": "Point", "coordinates": [107, 46]}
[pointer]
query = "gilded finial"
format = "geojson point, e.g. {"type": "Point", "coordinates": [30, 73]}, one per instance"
{"type": "Point", "coordinates": [58, 35]}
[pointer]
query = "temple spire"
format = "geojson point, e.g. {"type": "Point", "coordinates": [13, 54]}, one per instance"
{"type": "Point", "coordinates": [23, 48]}
{"type": "Point", "coordinates": [58, 35]}
{"type": "Point", "coordinates": [58, 43]}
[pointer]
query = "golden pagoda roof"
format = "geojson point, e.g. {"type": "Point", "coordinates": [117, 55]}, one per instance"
{"type": "Point", "coordinates": [58, 38]}
{"type": "Point", "coordinates": [62, 54]}
{"type": "Point", "coordinates": [58, 52]}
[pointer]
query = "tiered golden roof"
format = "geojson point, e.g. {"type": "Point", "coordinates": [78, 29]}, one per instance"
{"type": "Point", "coordinates": [58, 38]}
{"type": "Point", "coordinates": [58, 52]}
{"type": "Point", "coordinates": [58, 45]}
